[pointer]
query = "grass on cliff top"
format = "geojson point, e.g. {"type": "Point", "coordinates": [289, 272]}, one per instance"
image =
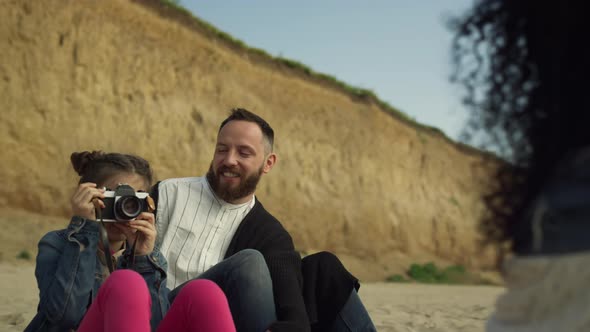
{"type": "Point", "coordinates": [429, 273]}
{"type": "Point", "coordinates": [360, 93]}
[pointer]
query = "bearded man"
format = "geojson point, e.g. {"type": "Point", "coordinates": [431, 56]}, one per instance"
{"type": "Point", "coordinates": [214, 228]}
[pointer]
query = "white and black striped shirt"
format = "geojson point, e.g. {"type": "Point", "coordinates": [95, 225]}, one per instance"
{"type": "Point", "coordinates": [194, 227]}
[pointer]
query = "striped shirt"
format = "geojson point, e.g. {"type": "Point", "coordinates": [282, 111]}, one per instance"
{"type": "Point", "coordinates": [194, 226]}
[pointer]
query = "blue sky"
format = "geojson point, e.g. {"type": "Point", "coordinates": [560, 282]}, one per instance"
{"type": "Point", "coordinates": [400, 49]}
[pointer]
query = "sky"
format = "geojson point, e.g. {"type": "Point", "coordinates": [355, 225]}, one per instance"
{"type": "Point", "coordinates": [399, 49]}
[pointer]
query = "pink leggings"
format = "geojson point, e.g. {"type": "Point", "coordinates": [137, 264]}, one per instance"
{"type": "Point", "coordinates": [123, 303]}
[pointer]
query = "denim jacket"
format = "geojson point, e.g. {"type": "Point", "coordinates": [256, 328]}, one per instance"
{"type": "Point", "coordinates": [69, 275]}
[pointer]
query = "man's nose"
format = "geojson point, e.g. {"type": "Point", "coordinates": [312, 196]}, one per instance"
{"type": "Point", "coordinates": [230, 159]}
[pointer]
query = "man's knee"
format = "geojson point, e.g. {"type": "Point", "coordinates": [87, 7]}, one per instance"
{"type": "Point", "coordinates": [249, 266]}
{"type": "Point", "coordinates": [248, 256]}
{"type": "Point", "coordinates": [250, 261]}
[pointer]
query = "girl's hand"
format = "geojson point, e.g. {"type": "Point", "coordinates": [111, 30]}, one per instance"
{"type": "Point", "coordinates": [143, 226]}
{"type": "Point", "coordinates": [83, 200]}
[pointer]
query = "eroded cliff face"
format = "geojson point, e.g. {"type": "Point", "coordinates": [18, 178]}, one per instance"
{"type": "Point", "coordinates": [118, 76]}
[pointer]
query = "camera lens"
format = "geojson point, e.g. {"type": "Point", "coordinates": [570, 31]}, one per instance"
{"type": "Point", "coordinates": [128, 207]}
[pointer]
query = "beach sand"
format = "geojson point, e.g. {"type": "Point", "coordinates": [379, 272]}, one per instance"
{"type": "Point", "coordinates": [393, 307]}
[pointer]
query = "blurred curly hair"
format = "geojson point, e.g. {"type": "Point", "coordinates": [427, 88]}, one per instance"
{"type": "Point", "coordinates": [524, 65]}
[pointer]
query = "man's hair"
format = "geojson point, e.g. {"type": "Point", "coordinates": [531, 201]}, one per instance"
{"type": "Point", "coordinates": [241, 114]}
{"type": "Point", "coordinates": [525, 66]}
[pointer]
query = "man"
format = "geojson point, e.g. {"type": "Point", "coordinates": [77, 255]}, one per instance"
{"type": "Point", "coordinates": [213, 227]}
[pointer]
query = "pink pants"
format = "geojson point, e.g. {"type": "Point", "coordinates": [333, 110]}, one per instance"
{"type": "Point", "coordinates": [123, 303]}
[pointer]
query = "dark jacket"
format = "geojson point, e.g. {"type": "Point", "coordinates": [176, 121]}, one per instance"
{"type": "Point", "coordinates": [261, 231]}
{"type": "Point", "coordinates": [69, 275]}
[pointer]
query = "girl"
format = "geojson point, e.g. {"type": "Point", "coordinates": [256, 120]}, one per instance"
{"type": "Point", "coordinates": [76, 289]}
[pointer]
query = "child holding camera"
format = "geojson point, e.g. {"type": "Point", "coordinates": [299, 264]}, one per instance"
{"type": "Point", "coordinates": [78, 291]}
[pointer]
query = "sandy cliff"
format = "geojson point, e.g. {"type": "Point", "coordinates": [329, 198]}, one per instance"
{"type": "Point", "coordinates": [119, 76]}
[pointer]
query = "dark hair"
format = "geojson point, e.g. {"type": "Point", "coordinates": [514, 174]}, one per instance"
{"type": "Point", "coordinates": [98, 167]}
{"type": "Point", "coordinates": [525, 66]}
{"type": "Point", "coordinates": [241, 114]}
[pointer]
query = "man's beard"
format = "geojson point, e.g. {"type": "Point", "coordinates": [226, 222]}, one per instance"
{"type": "Point", "coordinates": [246, 187]}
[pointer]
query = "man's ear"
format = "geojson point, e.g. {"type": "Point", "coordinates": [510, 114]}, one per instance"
{"type": "Point", "coordinates": [270, 161]}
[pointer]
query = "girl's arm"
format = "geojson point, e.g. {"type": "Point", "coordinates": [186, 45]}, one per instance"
{"type": "Point", "coordinates": [66, 271]}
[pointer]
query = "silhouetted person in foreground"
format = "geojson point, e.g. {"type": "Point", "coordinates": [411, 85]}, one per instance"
{"type": "Point", "coordinates": [526, 66]}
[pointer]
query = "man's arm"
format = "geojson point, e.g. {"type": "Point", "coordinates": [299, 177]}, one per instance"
{"type": "Point", "coordinates": [284, 264]}
{"type": "Point", "coordinates": [261, 231]}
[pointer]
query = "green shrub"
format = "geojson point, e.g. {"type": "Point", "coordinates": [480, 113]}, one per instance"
{"type": "Point", "coordinates": [397, 278]}
{"type": "Point", "coordinates": [430, 273]}
{"type": "Point", "coordinates": [426, 273]}
{"type": "Point", "coordinates": [25, 255]}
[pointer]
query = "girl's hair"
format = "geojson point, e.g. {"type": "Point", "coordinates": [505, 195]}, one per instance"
{"type": "Point", "coordinates": [525, 66]}
{"type": "Point", "coordinates": [98, 167]}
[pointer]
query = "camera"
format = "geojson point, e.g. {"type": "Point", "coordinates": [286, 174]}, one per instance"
{"type": "Point", "coordinates": [124, 204]}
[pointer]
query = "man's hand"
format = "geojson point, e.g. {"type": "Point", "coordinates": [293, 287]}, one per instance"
{"type": "Point", "coordinates": [143, 227]}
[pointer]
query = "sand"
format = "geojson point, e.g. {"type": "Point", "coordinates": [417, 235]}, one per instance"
{"type": "Point", "coordinates": [393, 307]}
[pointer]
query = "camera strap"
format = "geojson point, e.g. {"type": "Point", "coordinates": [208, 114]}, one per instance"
{"type": "Point", "coordinates": [131, 257]}
{"type": "Point", "coordinates": [104, 237]}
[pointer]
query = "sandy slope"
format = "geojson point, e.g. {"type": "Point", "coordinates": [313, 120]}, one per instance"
{"type": "Point", "coordinates": [393, 307]}
{"type": "Point", "coordinates": [113, 75]}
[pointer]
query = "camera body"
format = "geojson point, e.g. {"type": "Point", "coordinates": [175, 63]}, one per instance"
{"type": "Point", "coordinates": [124, 204]}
